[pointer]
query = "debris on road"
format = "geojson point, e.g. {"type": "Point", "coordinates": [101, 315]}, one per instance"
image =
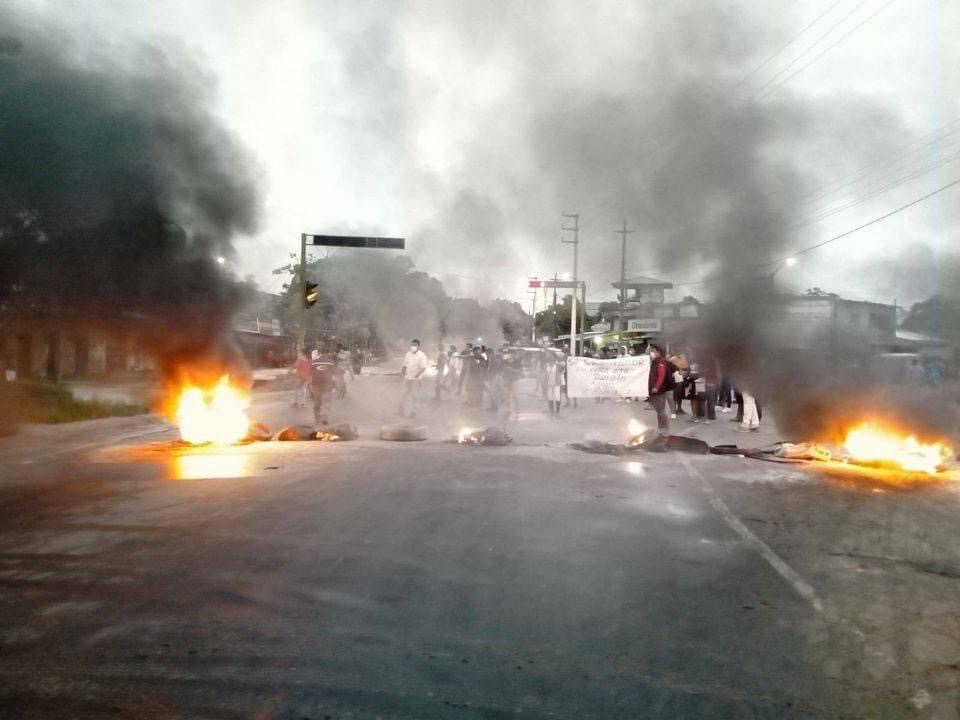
{"type": "Point", "coordinates": [490, 437]}
{"type": "Point", "coordinates": [803, 451]}
{"type": "Point", "coordinates": [258, 432]}
{"type": "Point", "coordinates": [293, 433]}
{"type": "Point", "coordinates": [328, 433]}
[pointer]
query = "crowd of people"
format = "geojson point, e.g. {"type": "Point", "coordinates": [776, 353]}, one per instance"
{"type": "Point", "coordinates": [675, 379]}
{"type": "Point", "coordinates": [487, 378]}
{"type": "Point", "coordinates": [323, 371]}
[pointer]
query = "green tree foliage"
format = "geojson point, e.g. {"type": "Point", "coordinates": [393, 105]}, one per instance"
{"type": "Point", "coordinates": [556, 319]}
{"type": "Point", "coordinates": [937, 316]}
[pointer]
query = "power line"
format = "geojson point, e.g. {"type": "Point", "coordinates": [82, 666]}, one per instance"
{"type": "Point", "coordinates": [800, 70]}
{"type": "Point", "coordinates": [884, 161]}
{"type": "Point", "coordinates": [809, 47]}
{"type": "Point", "coordinates": [842, 235]}
{"type": "Point", "coordinates": [875, 220]}
{"type": "Point", "coordinates": [881, 190]}
{"type": "Point", "coordinates": [792, 40]}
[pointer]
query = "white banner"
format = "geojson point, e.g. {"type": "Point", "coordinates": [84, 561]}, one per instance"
{"type": "Point", "coordinates": [620, 377]}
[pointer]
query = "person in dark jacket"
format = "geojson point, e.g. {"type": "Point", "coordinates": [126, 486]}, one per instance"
{"type": "Point", "coordinates": [658, 386]}
{"type": "Point", "coordinates": [321, 381]}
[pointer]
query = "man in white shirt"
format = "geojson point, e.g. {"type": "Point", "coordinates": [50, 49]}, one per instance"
{"type": "Point", "coordinates": [414, 365]}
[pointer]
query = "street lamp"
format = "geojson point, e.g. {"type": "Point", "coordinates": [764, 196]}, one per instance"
{"type": "Point", "coordinates": [789, 262]}
{"type": "Point", "coordinates": [221, 260]}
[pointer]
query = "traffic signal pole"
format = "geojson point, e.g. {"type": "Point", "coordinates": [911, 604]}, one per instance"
{"type": "Point", "coordinates": [340, 241]}
{"type": "Point", "coordinates": [303, 293]}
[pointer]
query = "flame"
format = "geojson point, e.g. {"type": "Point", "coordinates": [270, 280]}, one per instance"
{"type": "Point", "coordinates": [869, 443]}
{"type": "Point", "coordinates": [213, 415]}
{"type": "Point", "coordinates": [635, 427]}
{"type": "Point", "coordinates": [464, 433]}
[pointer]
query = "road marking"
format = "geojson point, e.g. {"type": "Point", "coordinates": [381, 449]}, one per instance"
{"type": "Point", "coordinates": [801, 586]}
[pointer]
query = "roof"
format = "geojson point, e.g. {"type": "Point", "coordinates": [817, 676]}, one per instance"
{"type": "Point", "coordinates": [916, 337]}
{"type": "Point", "coordinates": [643, 280]}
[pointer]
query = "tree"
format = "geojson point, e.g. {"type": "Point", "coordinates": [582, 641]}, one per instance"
{"type": "Point", "coordinates": [382, 299]}
{"type": "Point", "coordinates": [690, 300]}
{"type": "Point", "coordinates": [937, 316]}
{"type": "Point", "coordinates": [556, 318]}
{"type": "Point", "coordinates": [817, 292]}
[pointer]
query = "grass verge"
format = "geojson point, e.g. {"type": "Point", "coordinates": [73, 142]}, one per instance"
{"type": "Point", "coordinates": [46, 402]}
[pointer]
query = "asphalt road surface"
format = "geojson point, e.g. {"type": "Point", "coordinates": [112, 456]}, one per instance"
{"type": "Point", "coordinates": [429, 580]}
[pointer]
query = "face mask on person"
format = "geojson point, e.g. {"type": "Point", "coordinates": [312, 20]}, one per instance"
{"type": "Point", "coordinates": [414, 348]}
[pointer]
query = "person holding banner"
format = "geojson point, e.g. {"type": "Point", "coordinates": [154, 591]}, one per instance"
{"type": "Point", "coordinates": [660, 383]}
{"type": "Point", "coordinates": [553, 383]}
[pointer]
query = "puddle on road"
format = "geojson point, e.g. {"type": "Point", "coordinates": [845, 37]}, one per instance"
{"type": "Point", "coordinates": [183, 462]}
{"type": "Point", "coordinates": [200, 467]}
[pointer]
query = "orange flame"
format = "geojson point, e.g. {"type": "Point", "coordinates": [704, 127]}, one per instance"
{"type": "Point", "coordinates": [213, 415]}
{"type": "Point", "coordinates": [872, 444]}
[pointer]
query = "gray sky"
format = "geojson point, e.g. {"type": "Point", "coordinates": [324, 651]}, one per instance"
{"type": "Point", "coordinates": [468, 127]}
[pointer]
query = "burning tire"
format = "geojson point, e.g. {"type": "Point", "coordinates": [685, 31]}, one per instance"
{"type": "Point", "coordinates": [403, 433]}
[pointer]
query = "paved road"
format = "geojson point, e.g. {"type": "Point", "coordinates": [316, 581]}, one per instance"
{"type": "Point", "coordinates": [428, 580]}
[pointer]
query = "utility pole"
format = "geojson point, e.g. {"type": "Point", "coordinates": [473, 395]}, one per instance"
{"type": "Point", "coordinates": [533, 312]}
{"type": "Point", "coordinates": [623, 272]}
{"type": "Point", "coordinates": [573, 301]}
{"type": "Point", "coordinates": [555, 331]}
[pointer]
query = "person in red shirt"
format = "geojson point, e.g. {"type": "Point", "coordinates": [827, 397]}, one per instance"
{"type": "Point", "coordinates": [302, 371]}
{"type": "Point", "coordinates": [659, 385]}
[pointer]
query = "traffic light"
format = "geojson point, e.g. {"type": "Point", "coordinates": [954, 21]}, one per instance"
{"type": "Point", "coordinates": [535, 284]}
{"type": "Point", "coordinates": [310, 295]}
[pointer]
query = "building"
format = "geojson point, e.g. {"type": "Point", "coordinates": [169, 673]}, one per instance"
{"type": "Point", "coordinates": [647, 313]}
{"type": "Point", "coordinates": [259, 332]}
{"type": "Point", "coordinates": [807, 322]}
{"type": "Point", "coordinates": [66, 345]}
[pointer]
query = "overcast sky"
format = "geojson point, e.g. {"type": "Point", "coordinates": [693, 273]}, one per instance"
{"type": "Point", "coordinates": [469, 127]}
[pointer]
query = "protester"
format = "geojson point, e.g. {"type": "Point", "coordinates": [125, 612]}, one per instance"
{"type": "Point", "coordinates": [301, 370]}
{"type": "Point", "coordinates": [751, 414]}
{"type": "Point", "coordinates": [725, 399]}
{"type": "Point", "coordinates": [356, 359]}
{"type": "Point", "coordinates": [414, 365]}
{"type": "Point", "coordinates": [659, 384]}
{"type": "Point", "coordinates": [340, 369]}
{"type": "Point", "coordinates": [321, 382]}
{"type": "Point", "coordinates": [703, 393]}
{"type": "Point", "coordinates": [441, 371]}
{"type": "Point", "coordinates": [466, 357]}
{"type": "Point", "coordinates": [473, 371]}
{"type": "Point", "coordinates": [454, 367]}
{"type": "Point", "coordinates": [512, 371]}
{"type": "Point", "coordinates": [680, 369]}
{"type": "Point", "coordinates": [553, 383]}
{"type": "Point", "coordinates": [493, 384]}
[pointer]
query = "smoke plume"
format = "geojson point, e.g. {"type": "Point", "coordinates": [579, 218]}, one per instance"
{"type": "Point", "coordinates": [118, 190]}
{"type": "Point", "coordinates": [652, 123]}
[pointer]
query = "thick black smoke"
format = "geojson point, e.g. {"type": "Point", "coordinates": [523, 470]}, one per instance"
{"type": "Point", "coordinates": [650, 123]}
{"type": "Point", "coordinates": [118, 190]}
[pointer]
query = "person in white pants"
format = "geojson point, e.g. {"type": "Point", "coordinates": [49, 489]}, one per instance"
{"type": "Point", "coordinates": [751, 418]}
{"type": "Point", "coordinates": [414, 366]}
